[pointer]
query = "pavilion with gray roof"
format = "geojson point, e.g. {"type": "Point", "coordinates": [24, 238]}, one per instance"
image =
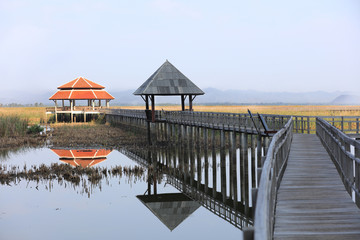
{"type": "Point", "coordinates": [168, 81]}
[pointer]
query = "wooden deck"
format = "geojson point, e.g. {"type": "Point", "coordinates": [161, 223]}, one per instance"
{"type": "Point", "coordinates": [312, 202]}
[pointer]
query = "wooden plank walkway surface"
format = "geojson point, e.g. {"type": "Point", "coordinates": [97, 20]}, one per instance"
{"type": "Point", "coordinates": [312, 202]}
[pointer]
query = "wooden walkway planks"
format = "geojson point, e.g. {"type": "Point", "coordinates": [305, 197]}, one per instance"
{"type": "Point", "coordinates": [312, 202]}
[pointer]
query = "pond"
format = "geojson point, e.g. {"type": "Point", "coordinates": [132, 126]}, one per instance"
{"type": "Point", "coordinates": [176, 194]}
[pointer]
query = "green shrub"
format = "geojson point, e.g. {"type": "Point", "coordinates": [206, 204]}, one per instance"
{"type": "Point", "coordinates": [35, 129]}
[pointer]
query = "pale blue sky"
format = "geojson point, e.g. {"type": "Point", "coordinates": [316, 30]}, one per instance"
{"type": "Point", "coordinates": [300, 45]}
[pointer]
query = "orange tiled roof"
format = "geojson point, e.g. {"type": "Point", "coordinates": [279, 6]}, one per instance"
{"type": "Point", "coordinates": [81, 94]}
{"type": "Point", "coordinates": [81, 83]}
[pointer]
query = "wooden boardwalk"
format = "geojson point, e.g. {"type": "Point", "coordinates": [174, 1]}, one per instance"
{"type": "Point", "coordinates": [312, 202]}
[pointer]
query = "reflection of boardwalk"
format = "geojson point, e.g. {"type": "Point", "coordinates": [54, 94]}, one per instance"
{"type": "Point", "coordinates": [312, 202]}
{"type": "Point", "coordinates": [238, 213]}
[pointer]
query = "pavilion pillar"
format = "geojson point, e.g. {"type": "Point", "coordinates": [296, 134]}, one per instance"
{"type": "Point", "coordinates": [153, 108]}
{"type": "Point", "coordinates": [190, 102]}
{"type": "Point", "coordinates": [107, 103]}
{"type": "Point", "coordinates": [182, 103]}
{"type": "Point", "coordinates": [99, 102]}
{"type": "Point", "coordinates": [71, 110]}
{"type": "Point", "coordinates": [56, 110]}
{"type": "Point", "coordinates": [63, 103]}
{"type": "Point", "coordinates": [147, 102]}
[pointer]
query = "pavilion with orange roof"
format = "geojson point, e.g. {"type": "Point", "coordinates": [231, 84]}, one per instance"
{"type": "Point", "coordinates": [79, 89]}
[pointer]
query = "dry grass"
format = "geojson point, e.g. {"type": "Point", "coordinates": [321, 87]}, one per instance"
{"type": "Point", "coordinates": [33, 114]}
{"type": "Point", "coordinates": [305, 110]}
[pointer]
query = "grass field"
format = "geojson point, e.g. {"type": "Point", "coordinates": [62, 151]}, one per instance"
{"type": "Point", "coordinates": [33, 114]}
{"type": "Point", "coordinates": [37, 114]}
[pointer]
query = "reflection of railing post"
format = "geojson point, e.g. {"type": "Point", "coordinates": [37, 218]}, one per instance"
{"type": "Point", "coordinates": [206, 160]}
{"type": "Point", "coordinates": [213, 161]}
{"type": "Point", "coordinates": [233, 168]}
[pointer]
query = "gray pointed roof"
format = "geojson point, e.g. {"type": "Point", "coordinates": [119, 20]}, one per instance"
{"type": "Point", "coordinates": [168, 80]}
{"type": "Point", "coordinates": [170, 208]}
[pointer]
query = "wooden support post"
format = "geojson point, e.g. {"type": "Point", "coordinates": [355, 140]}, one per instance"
{"type": "Point", "coordinates": [253, 161]}
{"type": "Point", "coordinates": [357, 175]}
{"type": "Point", "coordinates": [190, 102]}
{"type": "Point", "coordinates": [243, 159]}
{"type": "Point", "coordinates": [206, 160]}
{"type": "Point", "coordinates": [302, 124]}
{"type": "Point", "coordinates": [214, 162]}
{"type": "Point", "coordinates": [152, 108]}
{"type": "Point", "coordinates": [246, 169]}
{"type": "Point", "coordinates": [182, 103]}
{"type": "Point", "coordinates": [233, 168]}
{"type": "Point", "coordinates": [223, 165]}
{"type": "Point", "coordinates": [147, 102]}
{"type": "Point", "coordinates": [259, 151]}
{"type": "Point", "coordinates": [266, 145]}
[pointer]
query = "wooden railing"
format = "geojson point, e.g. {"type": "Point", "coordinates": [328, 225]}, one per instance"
{"type": "Point", "coordinates": [302, 124]}
{"type": "Point", "coordinates": [231, 121]}
{"type": "Point", "coordinates": [76, 108]}
{"type": "Point", "coordinates": [270, 178]}
{"type": "Point", "coordinates": [345, 153]}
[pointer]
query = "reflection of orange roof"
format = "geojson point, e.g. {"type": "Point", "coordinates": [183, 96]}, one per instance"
{"type": "Point", "coordinates": [81, 82]}
{"type": "Point", "coordinates": [83, 163]}
{"type": "Point", "coordinates": [82, 157]}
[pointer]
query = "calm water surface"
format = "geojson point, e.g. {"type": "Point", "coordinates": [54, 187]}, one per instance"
{"type": "Point", "coordinates": [111, 210]}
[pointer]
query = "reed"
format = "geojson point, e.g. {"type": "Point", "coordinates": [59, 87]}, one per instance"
{"type": "Point", "coordinates": [13, 126]}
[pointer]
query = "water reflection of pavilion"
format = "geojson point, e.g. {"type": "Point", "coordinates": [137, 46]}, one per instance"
{"type": "Point", "coordinates": [170, 208]}
{"type": "Point", "coordinates": [82, 157]}
{"type": "Point", "coordinates": [189, 174]}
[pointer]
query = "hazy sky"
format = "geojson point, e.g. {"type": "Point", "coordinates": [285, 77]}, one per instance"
{"type": "Point", "coordinates": [298, 45]}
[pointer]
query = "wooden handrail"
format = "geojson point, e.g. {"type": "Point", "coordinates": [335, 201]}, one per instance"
{"type": "Point", "coordinates": [271, 174]}
{"type": "Point", "coordinates": [345, 153]}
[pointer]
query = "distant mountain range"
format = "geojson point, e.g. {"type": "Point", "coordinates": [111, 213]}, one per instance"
{"type": "Point", "coordinates": [212, 96]}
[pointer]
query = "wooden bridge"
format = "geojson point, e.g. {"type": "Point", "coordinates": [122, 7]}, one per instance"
{"type": "Point", "coordinates": [302, 178]}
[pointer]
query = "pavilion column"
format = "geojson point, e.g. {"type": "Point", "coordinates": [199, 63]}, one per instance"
{"type": "Point", "coordinates": [190, 102]}
{"type": "Point", "coordinates": [153, 108]}
{"type": "Point", "coordinates": [99, 102]}
{"type": "Point", "coordinates": [107, 103]}
{"type": "Point", "coordinates": [56, 111]}
{"type": "Point", "coordinates": [182, 103]}
{"type": "Point", "coordinates": [63, 103]}
{"type": "Point", "coordinates": [147, 102]}
{"type": "Point", "coordinates": [71, 110]}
